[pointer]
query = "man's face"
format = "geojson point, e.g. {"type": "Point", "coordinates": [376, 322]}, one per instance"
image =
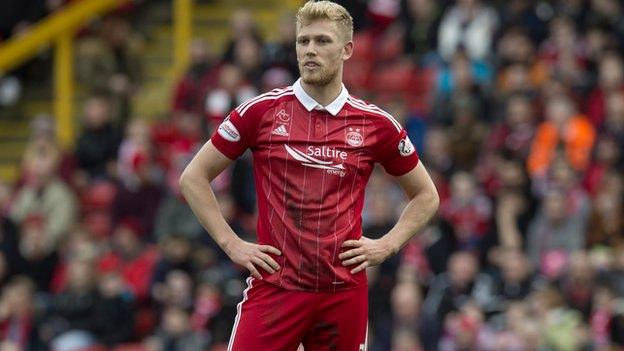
{"type": "Point", "coordinates": [321, 51]}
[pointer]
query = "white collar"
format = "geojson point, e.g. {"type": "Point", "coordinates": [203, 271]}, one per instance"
{"type": "Point", "coordinates": [309, 103]}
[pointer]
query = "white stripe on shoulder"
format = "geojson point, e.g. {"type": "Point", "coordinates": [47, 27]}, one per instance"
{"type": "Point", "coordinates": [376, 110]}
{"type": "Point", "coordinates": [373, 108]}
{"type": "Point", "coordinates": [270, 93]}
{"type": "Point", "coordinates": [266, 98]}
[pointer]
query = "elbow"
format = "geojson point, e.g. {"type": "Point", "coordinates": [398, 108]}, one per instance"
{"type": "Point", "coordinates": [184, 180]}
{"type": "Point", "coordinates": [434, 199]}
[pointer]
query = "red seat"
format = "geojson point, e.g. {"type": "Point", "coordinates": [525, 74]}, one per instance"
{"type": "Point", "coordinates": [145, 322]}
{"type": "Point", "coordinates": [394, 78]}
{"type": "Point", "coordinates": [390, 48]}
{"type": "Point", "coordinates": [364, 46]}
{"type": "Point", "coordinates": [356, 74]}
{"type": "Point", "coordinates": [130, 347]}
{"type": "Point", "coordinates": [94, 348]}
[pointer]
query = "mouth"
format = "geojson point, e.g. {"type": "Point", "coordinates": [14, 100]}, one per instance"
{"type": "Point", "coordinates": [311, 65]}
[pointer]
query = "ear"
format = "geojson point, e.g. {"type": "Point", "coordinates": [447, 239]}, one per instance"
{"type": "Point", "coordinates": [348, 50]}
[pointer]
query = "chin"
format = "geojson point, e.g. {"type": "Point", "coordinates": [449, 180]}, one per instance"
{"type": "Point", "coordinates": [318, 79]}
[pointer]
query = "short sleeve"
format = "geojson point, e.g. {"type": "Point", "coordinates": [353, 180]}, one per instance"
{"type": "Point", "coordinates": [395, 152]}
{"type": "Point", "coordinates": [233, 136]}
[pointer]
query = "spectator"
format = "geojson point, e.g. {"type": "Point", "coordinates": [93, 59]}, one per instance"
{"type": "Point", "coordinates": [141, 198]}
{"type": "Point", "coordinates": [515, 279]}
{"type": "Point", "coordinates": [281, 53]}
{"type": "Point", "coordinates": [44, 198]}
{"type": "Point", "coordinates": [613, 277]}
{"type": "Point", "coordinates": [420, 20]}
{"type": "Point", "coordinates": [564, 53]}
{"type": "Point", "coordinates": [36, 257]}
{"type": "Point", "coordinates": [192, 88]}
{"type": "Point", "coordinates": [406, 304]}
{"type": "Point", "coordinates": [449, 291]}
{"type": "Point", "coordinates": [460, 87]}
{"type": "Point", "coordinates": [110, 62]}
{"type": "Point", "coordinates": [175, 333]}
{"type": "Point", "coordinates": [610, 80]}
{"type": "Point", "coordinates": [231, 91]}
{"type": "Point", "coordinates": [133, 260]}
{"type": "Point", "coordinates": [176, 144]}
{"type": "Point", "coordinates": [70, 316]}
{"type": "Point", "coordinates": [553, 234]}
{"type": "Point", "coordinates": [606, 225]}
{"type": "Point", "coordinates": [607, 158]}
{"type": "Point", "coordinates": [467, 211]}
{"type": "Point", "coordinates": [176, 251]}
{"type": "Point", "coordinates": [469, 24]}
{"type": "Point", "coordinates": [113, 314]}
{"type": "Point", "coordinates": [609, 13]}
{"type": "Point", "coordinates": [562, 327]}
{"type": "Point", "coordinates": [576, 283]}
{"type": "Point", "coordinates": [516, 130]}
{"type": "Point", "coordinates": [564, 133]}
{"type": "Point", "coordinates": [242, 27]}
{"type": "Point", "coordinates": [18, 330]}
{"type": "Point", "coordinates": [614, 122]}
{"type": "Point", "coordinates": [97, 146]}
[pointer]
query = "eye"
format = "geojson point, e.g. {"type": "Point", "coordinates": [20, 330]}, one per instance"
{"type": "Point", "coordinates": [303, 41]}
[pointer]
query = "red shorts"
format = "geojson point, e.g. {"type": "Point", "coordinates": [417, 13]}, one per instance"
{"type": "Point", "coordinates": [274, 319]}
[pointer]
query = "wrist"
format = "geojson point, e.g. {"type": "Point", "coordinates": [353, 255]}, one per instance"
{"type": "Point", "coordinates": [391, 246]}
{"type": "Point", "coordinates": [228, 244]}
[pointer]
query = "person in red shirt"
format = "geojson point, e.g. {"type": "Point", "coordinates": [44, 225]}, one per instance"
{"type": "Point", "coordinates": [314, 147]}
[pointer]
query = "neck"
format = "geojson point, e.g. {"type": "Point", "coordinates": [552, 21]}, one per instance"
{"type": "Point", "coordinates": [324, 94]}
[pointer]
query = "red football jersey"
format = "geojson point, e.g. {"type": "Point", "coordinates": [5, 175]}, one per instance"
{"type": "Point", "coordinates": [311, 165]}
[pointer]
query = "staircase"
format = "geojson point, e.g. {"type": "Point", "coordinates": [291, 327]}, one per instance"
{"type": "Point", "coordinates": [210, 22]}
{"type": "Point", "coordinates": [153, 100]}
{"type": "Point", "coordinates": [15, 127]}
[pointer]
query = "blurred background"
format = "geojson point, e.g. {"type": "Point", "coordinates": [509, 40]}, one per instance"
{"type": "Point", "coordinates": [516, 108]}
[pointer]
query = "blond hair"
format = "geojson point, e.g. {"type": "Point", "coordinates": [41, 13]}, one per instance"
{"type": "Point", "coordinates": [326, 10]}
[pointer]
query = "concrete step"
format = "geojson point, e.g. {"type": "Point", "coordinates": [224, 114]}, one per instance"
{"type": "Point", "coordinates": [9, 172]}
{"type": "Point", "coordinates": [21, 131]}
{"type": "Point", "coordinates": [11, 149]}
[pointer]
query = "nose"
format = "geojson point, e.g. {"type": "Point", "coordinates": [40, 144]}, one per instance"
{"type": "Point", "coordinates": [310, 49]}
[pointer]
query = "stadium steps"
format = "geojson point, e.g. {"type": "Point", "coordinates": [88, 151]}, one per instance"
{"type": "Point", "coordinates": [210, 22]}
{"type": "Point", "coordinates": [13, 136]}
{"type": "Point", "coordinates": [15, 129]}
{"type": "Point", "coordinates": [153, 100]}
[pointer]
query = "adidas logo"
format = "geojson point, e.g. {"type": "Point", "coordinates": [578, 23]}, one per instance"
{"type": "Point", "coordinates": [281, 131]}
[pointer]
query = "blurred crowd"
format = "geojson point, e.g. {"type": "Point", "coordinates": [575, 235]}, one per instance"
{"type": "Point", "coordinates": [516, 108]}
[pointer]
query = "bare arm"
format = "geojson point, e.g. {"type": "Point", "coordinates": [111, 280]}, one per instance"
{"type": "Point", "coordinates": [424, 202]}
{"type": "Point", "coordinates": [195, 185]}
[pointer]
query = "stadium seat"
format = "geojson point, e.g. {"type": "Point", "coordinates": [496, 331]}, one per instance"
{"type": "Point", "coordinates": [365, 47]}
{"type": "Point", "coordinates": [356, 74]}
{"type": "Point", "coordinates": [389, 48]}
{"type": "Point", "coordinates": [130, 347]}
{"type": "Point", "coordinates": [95, 348]}
{"type": "Point", "coordinates": [394, 78]}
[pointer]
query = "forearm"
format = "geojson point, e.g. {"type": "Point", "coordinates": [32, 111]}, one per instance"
{"type": "Point", "coordinates": [415, 216]}
{"type": "Point", "coordinates": [198, 193]}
